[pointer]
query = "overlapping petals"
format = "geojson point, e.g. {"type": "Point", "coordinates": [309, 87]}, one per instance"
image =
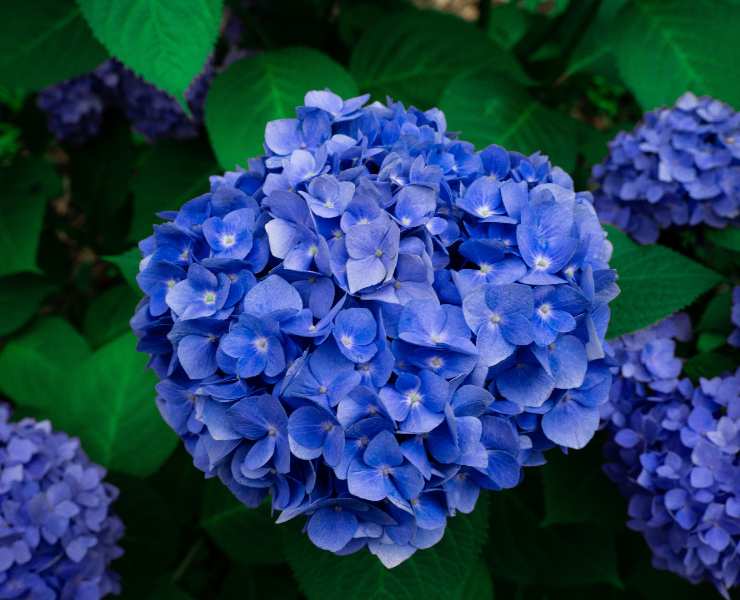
{"type": "Point", "coordinates": [59, 534]}
{"type": "Point", "coordinates": [673, 453]}
{"type": "Point", "coordinates": [679, 167]}
{"type": "Point", "coordinates": [374, 321]}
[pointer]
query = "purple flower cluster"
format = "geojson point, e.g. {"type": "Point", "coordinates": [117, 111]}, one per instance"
{"type": "Point", "coordinates": [75, 108]}
{"type": "Point", "coordinates": [58, 534]}
{"type": "Point", "coordinates": [375, 321]}
{"type": "Point", "coordinates": [680, 166]}
{"type": "Point", "coordinates": [674, 455]}
{"type": "Point", "coordinates": [734, 339]}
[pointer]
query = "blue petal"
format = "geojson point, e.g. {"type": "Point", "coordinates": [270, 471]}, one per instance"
{"type": "Point", "coordinates": [570, 424]}
{"type": "Point", "coordinates": [332, 528]}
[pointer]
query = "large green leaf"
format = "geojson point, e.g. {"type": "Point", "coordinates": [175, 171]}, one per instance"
{"type": "Point", "coordinates": [167, 42]}
{"type": "Point", "coordinates": [43, 42]}
{"type": "Point", "coordinates": [26, 186]}
{"type": "Point", "coordinates": [234, 527]}
{"type": "Point", "coordinates": [667, 47]}
{"type": "Point", "coordinates": [20, 296]}
{"type": "Point", "coordinates": [109, 314]}
{"type": "Point", "coordinates": [728, 238]}
{"type": "Point", "coordinates": [594, 51]}
{"type": "Point", "coordinates": [438, 572]}
{"type": "Point", "coordinates": [414, 56]}
{"type": "Point", "coordinates": [490, 110]}
{"type": "Point", "coordinates": [261, 88]}
{"type": "Point", "coordinates": [167, 176]}
{"type": "Point", "coordinates": [111, 407]}
{"type": "Point", "coordinates": [37, 368]}
{"type": "Point", "coordinates": [106, 398]}
{"type": "Point", "coordinates": [655, 282]}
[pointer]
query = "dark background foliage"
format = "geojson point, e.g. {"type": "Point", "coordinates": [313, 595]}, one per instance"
{"type": "Point", "coordinates": [561, 76]}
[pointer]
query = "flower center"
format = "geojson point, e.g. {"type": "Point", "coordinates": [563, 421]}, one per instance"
{"type": "Point", "coordinates": [485, 268]}
{"type": "Point", "coordinates": [413, 398]}
{"type": "Point", "coordinates": [313, 250]}
{"type": "Point", "coordinates": [228, 240]}
{"type": "Point", "coordinates": [405, 221]}
{"type": "Point", "coordinates": [209, 298]}
{"type": "Point", "coordinates": [484, 211]}
{"type": "Point", "coordinates": [544, 310]}
{"type": "Point", "coordinates": [495, 318]}
{"type": "Point", "coordinates": [171, 283]}
{"type": "Point", "coordinates": [327, 426]}
{"type": "Point", "coordinates": [542, 262]}
{"type": "Point", "coordinates": [378, 252]}
{"type": "Point", "coordinates": [437, 338]}
{"type": "Point", "coordinates": [272, 430]}
{"type": "Point", "coordinates": [323, 389]}
{"type": "Point", "coordinates": [385, 470]}
{"type": "Point", "coordinates": [436, 362]}
{"type": "Point", "coordinates": [328, 204]}
{"type": "Point", "coordinates": [346, 341]}
{"type": "Point", "coordinates": [184, 254]}
{"type": "Point", "coordinates": [337, 233]}
{"type": "Point", "coordinates": [261, 344]}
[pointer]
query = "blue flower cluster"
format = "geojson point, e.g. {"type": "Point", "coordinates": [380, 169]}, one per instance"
{"type": "Point", "coordinates": [75, 108]}
{"type": "Point", "coordinates": [58, 534]}
{"type": "Point", "coordinates": [734, 339]}
{"type": "Point", "coordinates": [674, 455]}
{"type": "Point", "coordinates": [680, 166]}
{"type": "Point", "coordinates": [375, 321]}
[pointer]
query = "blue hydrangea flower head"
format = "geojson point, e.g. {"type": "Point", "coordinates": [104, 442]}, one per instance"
{"type": "Point", "coordinates": [673, 452]}
{"type": "Point", "coordinates": [374, 321]}
{"type": "Point", "coordinates": [679, 167]}
{"type": "Point", "coordinates": [59, 534]}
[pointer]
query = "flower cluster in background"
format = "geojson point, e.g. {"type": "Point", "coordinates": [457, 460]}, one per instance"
{"type": "Point", "coordinates": [680, 166]}
{"type": "Point", "coordinates": [58, 534]}
{"type": "Point", "coordinates": [375, 321]}
{"type": "Point", "coordinates": [674, 454]}
{"type": "Point", "coordinates": [75, 108]}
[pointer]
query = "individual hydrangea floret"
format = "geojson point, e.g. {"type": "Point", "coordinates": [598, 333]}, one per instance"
{"type": "Point", "coordinates": [673, 452]}
{"type": "Point", "coordinates": [679, 167]}
{"type": "Point", "coordinates": [734, 339]}
{"type": "Point", "coordinates": [59, 534]}
{"type": "Point", "coordinates": [375, 321]}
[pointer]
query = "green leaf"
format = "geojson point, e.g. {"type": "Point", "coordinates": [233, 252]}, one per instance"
{"type": "Point", "coordinates": [109, 314]}
{"type": "Point", "coordinates": [128, 264]}
{"type": "Point", "coordinates": [44, 42]}
{"type": "Point", "coordinates": [728, 238]}
{"type": "Point", "coordinates": [106, 398]}
{"type": "Point", "coordinates": [441, 571]}
{"type": "Point", "coordinates": [167, 42]}
{"type": "Point", "coordinates": [716, 315]}
{"type": "Point", "coordinates": [168, 175]}
{"type": "Point", "coordinates": [487, 110]}
{"type": "Point", "coordinates": [655, 282]}
{"type": "Point", "coordinates": [413, 57]}
{"type": "Point", "coordinates": [667, 47]}
{"type": "Point", "coordinates": [234, 527]}
{"type": "Point", "coordinates": [37, 367]}
{"type": "Point", "coordinates": [26, 186]}
{"type": "Point", "coordinates": [563, 555]}
{"type": "Point", "coordinates": [267, 86]}
{"type": "Point", "coordinates": [20, 297]}
{"type": "Point", "coordinates": [112, 409]}
{"type": "Point", "coordinates": [709, 364]}
{"type": "Point", "coordinates": [478, 584]}
{"type": "Point", "coordinates": [594, 50]}
{"type": "Point", "coordinates": [507, 24]}
{"type": "Point", "coordinates": [577, 491]}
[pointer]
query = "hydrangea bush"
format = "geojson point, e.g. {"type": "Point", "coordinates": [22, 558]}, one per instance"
{"type": "Point", "coordinates": [680, 166]}
{"type": "Point", "coordinates": [375, 321]}
{"type": "Point", "coordinates": [58, 532]}
{"type": "Point", "coordinates": [674, 455]}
